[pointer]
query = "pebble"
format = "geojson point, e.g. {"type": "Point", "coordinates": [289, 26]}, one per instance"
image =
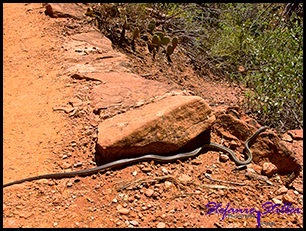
{"type": "Point", "coordinates": [268, 169]}
{"type": "Point", "coordinates": [161, 225]}
{"type": "Point", "coordinates": [146, 169]}
{"type": "Point", "coordinates": [196, 162]}
{"type": "Point", "coordinates": [281, 190]}
{"type": "Point", "coordinates": [224, 158]}
{"type": "Point", "coordinates": [51, 183]}
{"type": "Point", "coordinates": [137, 196]}
{"type": "Point", "coordinates": [276, 201]}
{"type": "Point", "coordinates": [167, 185]}
{"type": "Point", "coordinates": [164, 170]}
{"type": "Point", "coordinates": [233, 144]}
{"type": "Point", "coordinates": [123, 211]}
{"type": "Point", "coordinates": [134, 223]}
{"type": "Point", "coordinates": [66, 165]}
{"type": "Point", "coordinates": [69, 184]}
{"type": "Point", "coordinates": [149, 192]}
{"type": "Point", "coordinates": [185, 178]}
{"type": "Point", "coordinates": [288, 199]}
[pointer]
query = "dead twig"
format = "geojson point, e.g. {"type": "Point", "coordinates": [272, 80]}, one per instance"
{"type": "Point", "coordinates": [141, 181]}
{"type": "Point", "coordinates": [67, 110]}
{"type": "Point", "coordinates": [222, 181]}
{"type": "Point", "coordinates": [180, 185]}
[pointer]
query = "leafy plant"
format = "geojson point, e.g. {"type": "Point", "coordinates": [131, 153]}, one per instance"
{"type": "Point", "coordinates": [151, 26]}
{"type": "Point", "coordinates": [135, 36]}
{"type": "Point", "coordinates": [124, 27]}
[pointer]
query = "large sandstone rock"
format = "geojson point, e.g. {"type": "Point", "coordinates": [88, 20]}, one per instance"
{"type": "Point", "coordinates": [156, 128]}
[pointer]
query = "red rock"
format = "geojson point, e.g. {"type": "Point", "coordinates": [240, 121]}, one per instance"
{"type": "Point", "coordinates": [134, 223]}
{"type": "Point", "coordinates": [224, 158]}
{"type": "Point", "coordinates": [288, 199]}
{"type": "Point", "coordinates": [123, 211]}
{"type": "Point", "coordinates": [161, 225]}
{"type": "Point", "coordinates": [64, 10]}
{"type": "Point", "coordinates": [160, 127]}
{"type": "Point", "coordinates": [233, 144]}
{"type": "Point", "coordinates": [296, 134]}
{"type": "Point", "coordinates": [149, 192]}
{"type": "Point", "coordinates": [283, 189]}
{"type": "Point", "coordinates": [185, 178]}
{"type": "Point", "coordinates": [146, 169]}
{"type": "Point", "coordinates": [268, 169]}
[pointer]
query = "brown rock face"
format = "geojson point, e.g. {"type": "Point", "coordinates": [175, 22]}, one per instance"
{"type": "Point", "coordinates": [156, 128]}
{"type": "Point", "coordinates": [64, 10]}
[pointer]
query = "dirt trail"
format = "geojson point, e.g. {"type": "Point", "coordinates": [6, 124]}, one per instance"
{"type": "Point", "coordinates": [31, 87]}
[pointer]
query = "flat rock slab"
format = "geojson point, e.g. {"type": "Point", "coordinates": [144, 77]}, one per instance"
{"type": "Point", "coordinates": [92, 52]}
{"type": "Point", "coordinates": [157, 128]}
{"type": "Point", "coordinates": [120, 92]}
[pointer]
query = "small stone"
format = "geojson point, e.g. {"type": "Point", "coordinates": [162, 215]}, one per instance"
{"type": "Point", "coordinates": [161, 225]}
{"type": "Point", "coordinates": [164, 170]}
{"type": "Point", "coordinates": [233, 144]}
{"type": "Point", "coordinates": [276, 201]}
{"type": "Point", "coordinates": [257, 168]}
{"type": "Point", "coordinates": [167, 185]}
{"type": "Point", "coordinates": [185, 178]}
{"type": "Point", "coordinates": [69, 184]}
{"type": "Point", "coordinates": [123, 211]}
{"type": "Point", "coordinates": [268, 169]}
{"type": "Point", "coordinates": [224, 158]}
{"type": "Point", "coordinates": [134, 223]}
{"type": "Point", "coordinates": [66, 165]}
{"type": "Point", "coordinates": [25, 214]}
{"type": "Point", "coordinates": [51, 183]}
{"type": "Point", "coordinates": [149, 192]}
{"type": "Point", "coordinates": [288, 199]}
{"type": "Point", "coordinates": [281, 190]}
{"type": "Point", "coordinates": [42, 181]}
{"type": "Point", "coordinates": [146, 169]}
{"type": "Point", "coordinates": [196, 162]}
{"type": "Point", "coordinates": [78, 164]}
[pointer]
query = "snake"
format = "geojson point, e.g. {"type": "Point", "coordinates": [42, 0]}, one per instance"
{"type": "Point", "coordinates": [147, 157]}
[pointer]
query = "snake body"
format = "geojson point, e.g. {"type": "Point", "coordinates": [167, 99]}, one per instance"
{"type": "Point", "coordinates": [147, 157]}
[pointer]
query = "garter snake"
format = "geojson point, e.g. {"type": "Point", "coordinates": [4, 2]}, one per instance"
{"type": "Point", "coordinates": [148, 157]}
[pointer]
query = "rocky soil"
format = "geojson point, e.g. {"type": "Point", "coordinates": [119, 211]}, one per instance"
{"type": "Point", "coordinates": [50, 124]}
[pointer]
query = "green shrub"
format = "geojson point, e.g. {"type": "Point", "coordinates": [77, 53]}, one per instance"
{"type": "Point", "coordinates": [277, 83]}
